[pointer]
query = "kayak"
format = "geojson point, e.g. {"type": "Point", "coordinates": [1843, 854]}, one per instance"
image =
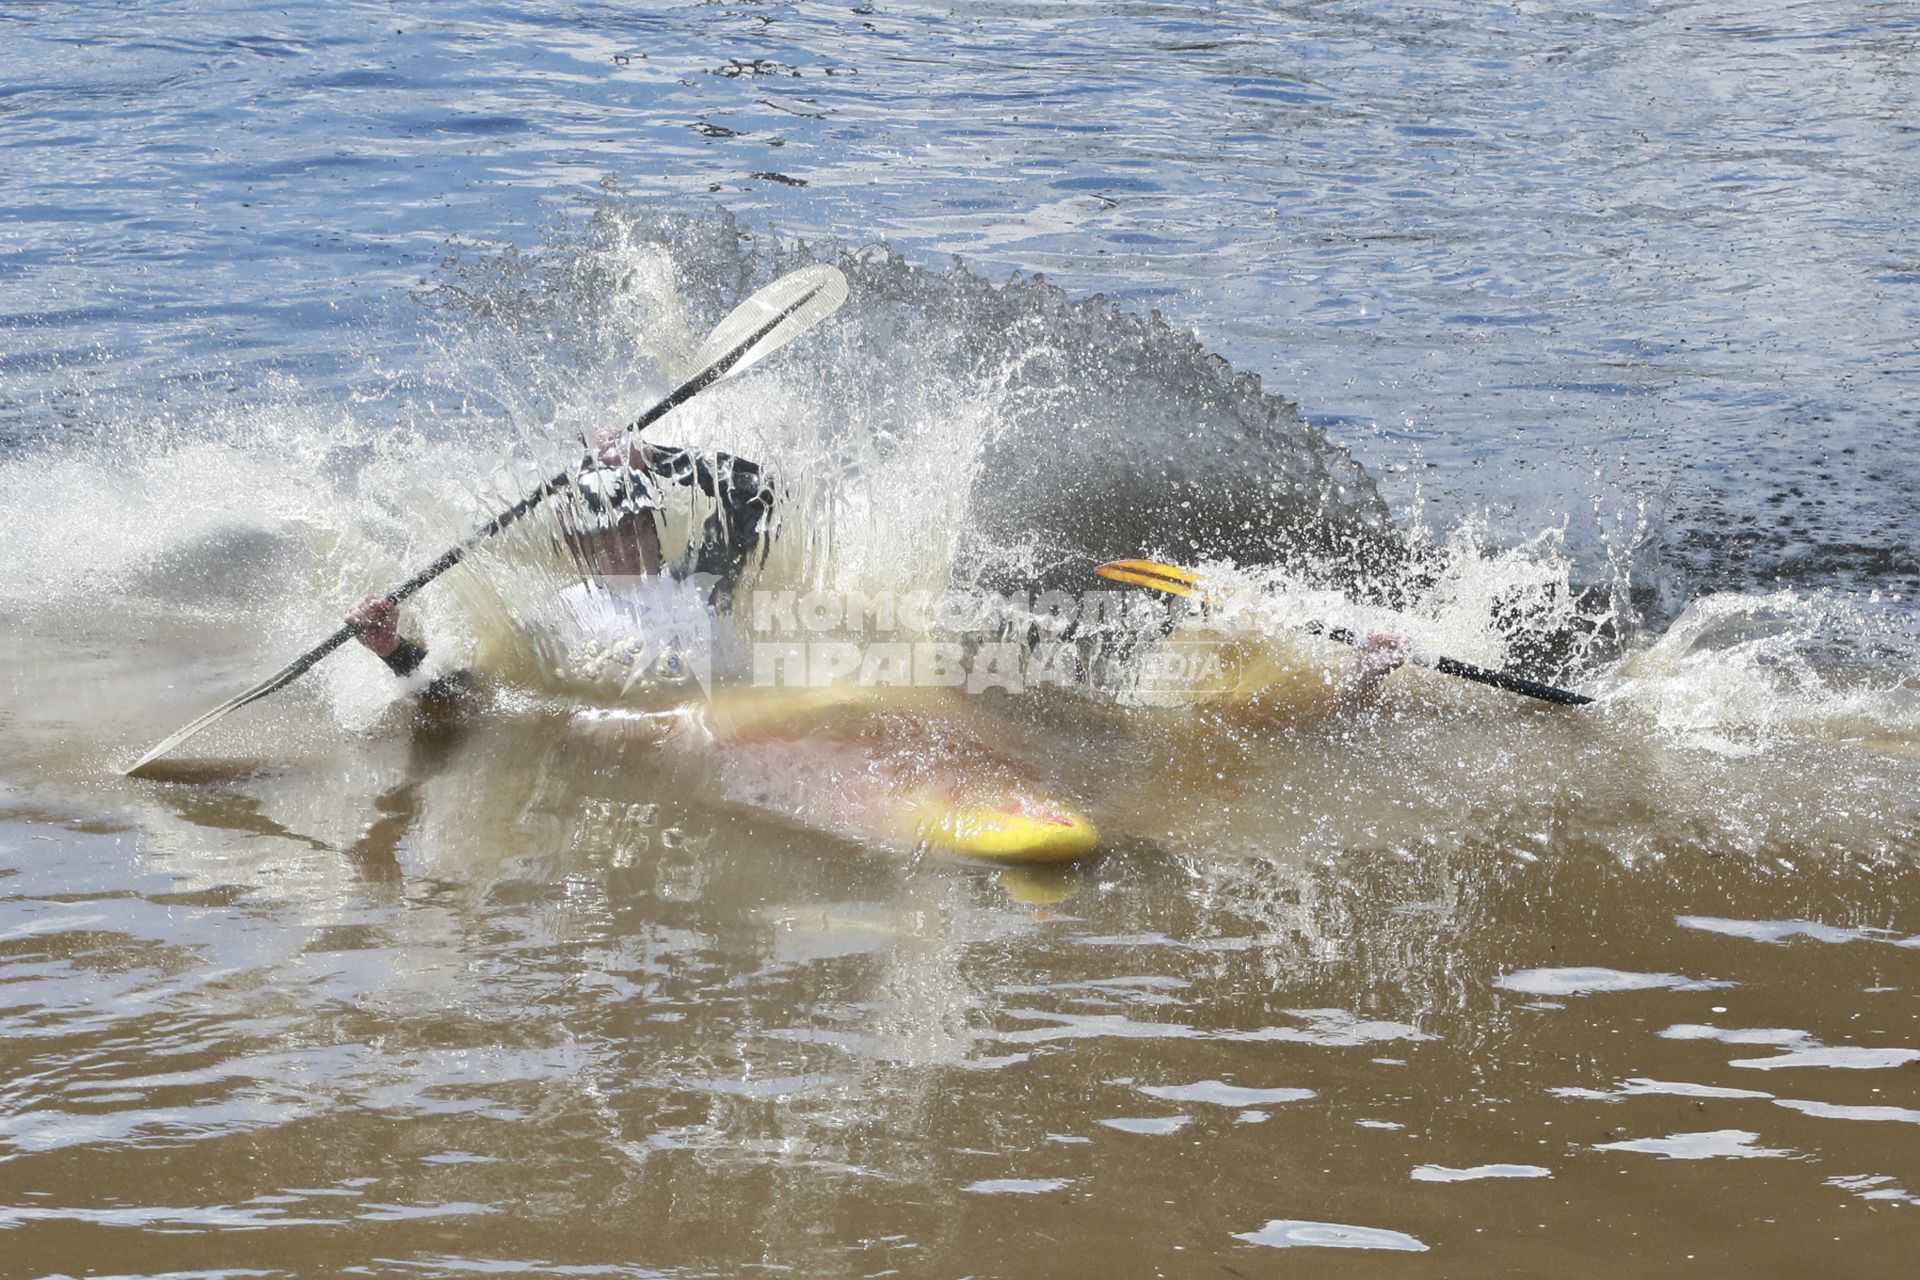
{"type": "Point", "coordinates": [1001, 829]}
{"type": "Point", "coordinates": [899, 767]}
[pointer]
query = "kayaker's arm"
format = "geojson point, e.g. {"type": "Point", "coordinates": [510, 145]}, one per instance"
{"type": "Point", "coordinates": [1378, 655]}
{"type": "Point", "coordinates": [1289, 680]}
{"type": "Point", "coordinates": [379, 621]}
{"type": "Point", "coordinates": [731, 533]}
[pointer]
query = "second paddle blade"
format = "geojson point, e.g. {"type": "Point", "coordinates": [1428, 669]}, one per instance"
{"type": "Point", "coordinates": [804, 298]}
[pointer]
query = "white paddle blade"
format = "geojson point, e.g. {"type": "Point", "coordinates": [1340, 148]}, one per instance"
{"type": "Point", "coordinates": [278, 680]}
{"type": "Point", "coordinates": [163, 748]}
{"type": "Point", "coordinates": [798, 301]}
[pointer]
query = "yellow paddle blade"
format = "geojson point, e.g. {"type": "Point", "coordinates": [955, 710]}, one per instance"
{"type": "Point", "coordinates": [1173, 571]}
{"type": "Point", "coordinates": [1169, 578]}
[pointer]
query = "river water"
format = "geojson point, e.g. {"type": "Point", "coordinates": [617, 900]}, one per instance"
{"type": "Point", "coordinates": [1587, 337]}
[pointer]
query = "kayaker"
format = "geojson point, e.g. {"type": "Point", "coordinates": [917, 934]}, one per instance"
{"type": "Point", "coordinates": [609, 518]}
{"type": "Point", "coordinates": [929, 779]}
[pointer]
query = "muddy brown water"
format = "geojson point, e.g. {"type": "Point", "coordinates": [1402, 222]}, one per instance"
{"type": "Point", "coordinates": [1487, 992]}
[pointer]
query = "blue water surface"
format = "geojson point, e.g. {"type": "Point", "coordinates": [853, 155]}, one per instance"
{"type": "Point", "coordinates": [1649, 269]}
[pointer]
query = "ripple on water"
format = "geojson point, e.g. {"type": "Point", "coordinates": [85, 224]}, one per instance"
{"type": "Point", "coordinates": [1580, 981]}
{"type": "Point", "coordinates": [1716, 1144]}
{"type": "Point", "coordinates": [1798, 1048]}
{"type": "Point", "coordinates": [1837, 1111]}
{"type": "Point", "coordinates": [1443, 1173]}
{"type": "Point", "coordinates": [1225, 1095]}
{"type": "Point", "coordinates": [1842, 1057]}
{"type": "Point", "coordinates": [1017, 1186]}
{"type": "Point", "coordinates": [1639, 1085]}
{"type": "Point", "coordinates": [1874, 1186]}
{"type": "Point", "coordinates": [1777, 931]}
{"type": "Point", "coordinates": [1154, 1126]}
{"type": "Point", "coordinates": [1329, 1027]}
{"type": "Point", "coordinates": [1283, 1233]}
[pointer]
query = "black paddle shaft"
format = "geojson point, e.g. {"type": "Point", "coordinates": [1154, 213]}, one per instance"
{"type": "Point", "coordinates": [448, 558]}
{"type": "Point", "coordinates": [1467, 671]}
{"type": "Point", "coordinates": [825, 283]}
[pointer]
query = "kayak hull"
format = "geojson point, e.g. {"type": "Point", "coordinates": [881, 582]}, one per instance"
{"type": "Point", "coordinates": [1012, 831]}
{"type": "Point", "coordinates": [898, 766]}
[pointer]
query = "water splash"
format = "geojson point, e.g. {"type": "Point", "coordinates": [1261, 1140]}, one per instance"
{"type": "Point", "coordinates": [941, 430]}
{"type": "Point", "coordinates": [1738, 674]}
{"type": "Point", "coordinates": [943, 433]}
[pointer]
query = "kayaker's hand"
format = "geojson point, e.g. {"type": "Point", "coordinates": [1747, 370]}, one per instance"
{"type": "Point", "coordinates": [377, 619]}
{"type": "Point", "coordinates": [1381, 652]}
{"type": "Point", "coordinates": [616, 448]}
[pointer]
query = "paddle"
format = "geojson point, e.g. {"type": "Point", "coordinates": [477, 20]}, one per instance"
{"type": "Point", "coordinates": [753, 330]}
{"type": "Point", "coordinates": [1182, 582]}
